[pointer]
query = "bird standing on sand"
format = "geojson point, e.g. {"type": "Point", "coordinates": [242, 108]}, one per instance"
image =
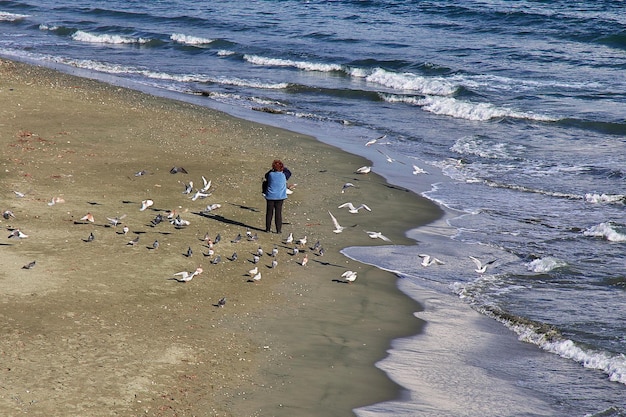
{"type": "Point", "coordinates": [155, 244]}
{"type": "Point", "coordinates": [253, 271]}
{"type": "Point", "coordinates": [134, 241]}
{"type": "Point", "coordinates": [217, 260]}
{"type": "Point", "coordinates": [90, 238]}
{"type": "Point", "coordinates": [256, 277]}
{"type": "Point", "coordinates": [349, 276]}
{"type": "Point", "coordinates": [305, 260]}
{"type": "Point", "coordinates": [289, 238]}
{"type": "Point", "coordinates": [364, 170]}
{"type": "Point", "coordinates": [18, 234]}
{"type": "Point", "coordinates": [30, 265]}
{"type": "Point", "coordinates": [221, 302]}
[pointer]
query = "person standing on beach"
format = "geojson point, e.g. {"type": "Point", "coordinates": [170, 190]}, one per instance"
{"type": "Point", "coordinates": [275, 193]}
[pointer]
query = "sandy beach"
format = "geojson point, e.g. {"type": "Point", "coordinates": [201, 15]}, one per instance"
{"type": "Point", "coordinates": [100, 328]}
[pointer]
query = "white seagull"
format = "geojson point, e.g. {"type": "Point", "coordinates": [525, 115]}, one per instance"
{"type": "Point", "coordinates": [373, 141]}
{"type": "Point", "coordinates": [388, 158]}
{"type": "Point", "coordinates": [353, 209]}
{"type": "Point", "coordinates": [378, 235]}
{"type": "Point", "coordinates": [428, 260]}
{"type": "Point", "coordinates": [253, 271]}
{"type": "Point", "coordinates": [346, 186]}
{"type": "Point", "coordinates": [207, 185]}
{"type": "Point", "coordinates": [187, 276]}
{"type": "Point", "coordinates": [417, 170]}
{"type": "Point", "coordinates": [480, 268]}
{"type": "Point", "coordinates": [338, 228]}
{"type": "Point", "coordinates": [349, 276]}
{"type": "Point", "coordinates": [145, 204]}
{"type": "Point", "coordinates": [199, 194]}
{"type": "Point", "coordinates": [18, 234]}
{"type": "Point", "coordinates": [212, 207]}
{"type": "Point", "coordinates": [256, 277]}
{"type": "Point", "coordinates": [364, 170]}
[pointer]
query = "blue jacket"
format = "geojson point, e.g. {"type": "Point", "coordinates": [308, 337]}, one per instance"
{"type": "Point", "coordinates": [277, 184]}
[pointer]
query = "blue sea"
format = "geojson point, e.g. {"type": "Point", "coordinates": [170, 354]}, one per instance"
{"type": "Point", "coordinates": [516, 110]}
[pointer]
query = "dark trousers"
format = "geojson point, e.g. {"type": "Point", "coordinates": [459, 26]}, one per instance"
{"type": "Point", "coordinates": [274, 209]}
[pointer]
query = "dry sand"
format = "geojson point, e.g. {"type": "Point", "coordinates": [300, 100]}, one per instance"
{"type": "Point", "coordinates": [99, 329]}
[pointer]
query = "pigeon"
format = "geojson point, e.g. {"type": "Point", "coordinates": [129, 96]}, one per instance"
{"type": "Point", "coordinates": [140, 173]}
{"type": "Point", "coordinates": [125, 230]}
{"type": "Point", "coordinates": [217, 239]}
{"type": "Point", "coordinates": [176, 170]}
{"type": "Point", "coordinates": [255, 259]}
{"type": "Point", "coordinates": [289, 238]}
{"type": "Point", "coordinates": [7, 214]}
{"type": "Point", "coordinates": [353, 209]}
{"type": "Point", "coordinates": [114, 221]}
{"type": "Point", "coordinates": [212, 207]}
{"type": "Point", "coordinates": [221, 302]}
{"type": "Point", "coordinates": [346, 186]}
{"type": "Point", "coordinates": [29, 265]}
{"type": "Point", "coordinates": [302, 241]}
{"type": "Point", "coordinates": [55, 200]}
{"type": "Point", "coordinates": [18, 234]}
{"type": "Point", "coordinates": [217, 260]}
{"type": "Point", "coordinates": [90, 238]}
{"type": "Point", "coordinates": [295, 251]}
{"type": "Point", "coordinates": [274, 251]}
{"type": "Point", "coordinates": [427, 260]}
{"type": "Point", "coordinates": [145, 204]}
{"type": "Point", "coordinates": [134, 241]}
{"type": "Point", "coordinates": [274, 263]}
{"type": "Point", "coordinates": [234, 257]}
{"type": "Point", "coordinates": [259, 251]}
{"type": "Point", "coordinates": [155, 244]}
{"type": "Point", "coordinates": [256, 277]}
{"type": "Point", "coordinates": [237, 239]}
{"type": "Point", "coordinates": [188, 188]}
{"type": "Point", "coordinates": [157, 219]}
{"type": "Point", "coordinates": [338, 228]}
{"type": "Point", "coordinates": [378, 235]}
{"type": "Point", "coordinates": [189, 252]}
{"type": "Point", "coordinates": [253, 271]}
{"type": "Point", "coordinates": [480, 267]}
{"type": "Point", "coordinates": [305, 260]}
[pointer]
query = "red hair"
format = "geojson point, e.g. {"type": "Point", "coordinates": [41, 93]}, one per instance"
{"type": "Point", "coordinates": [278, 165]}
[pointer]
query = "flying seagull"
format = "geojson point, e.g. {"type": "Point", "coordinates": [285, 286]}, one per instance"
{"type": "Point", "coordinates": [428, 260]}
{"type": "Point", "coordinates": [338, 228]}
{"type": "Point", "coordinates": [353, 209]}
{"type": "Point", "coordinates": [480, 267]}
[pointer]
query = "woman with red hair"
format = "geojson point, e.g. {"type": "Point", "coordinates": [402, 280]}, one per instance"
{"type": "Point", "coordinates": [275, 193]}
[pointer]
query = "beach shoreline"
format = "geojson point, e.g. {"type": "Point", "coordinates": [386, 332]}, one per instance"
{"type": "Point", "coordinates": [97, 327]}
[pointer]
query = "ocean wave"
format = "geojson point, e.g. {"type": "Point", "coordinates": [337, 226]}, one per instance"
{"type": "Point", "coordinates": [224, 52]}
{"type": "Point", "coordinates": [449, 106]}
{"type": "Point", "coordinates": [83, 36]}
{"type": "Point", "coordinates": [475, 146]}
{"type": "Point", "coordinates": [12, 17]}
{"type": "Point", "coordinates": [406, 81]}
{"type": "Point", "coordinates": [605, 198]}
{"type": "Point", "coordinates": [547, 264]}
{"type": "Point", "coordinates": [303, 65]}
{"type": "Point", "coordinates": [550, 339]}
{"type": "Point", "coordinates": [190, 40]}
{"type": "Point", "coordinates": [609, 231]}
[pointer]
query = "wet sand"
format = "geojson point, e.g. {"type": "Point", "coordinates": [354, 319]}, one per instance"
{"type": "Point", "coordinates": [99, 328]}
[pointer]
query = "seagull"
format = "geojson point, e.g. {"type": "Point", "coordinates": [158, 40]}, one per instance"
{"type": "Point", "coordinates": [350, 276]}
{"type": "Point", "coordinates": [187, 276]}
{"type": "Point", "coordinates": [353, 209]}
{"type": "Point", "coordinates": [388, 158]}
{"type": "Point", "coordinates": [417, 170]}
{"type": "Point", "coordinates": [373, 141]}
{"type": "Point", "coordinates": [114, 221]}
{"type": "Point", "coordinates": [338, 228]}
{"type": "Point", "coordinates": [346, 186]}
{"type": "Point", "coordinates": [305, 260]}
{"type": "Point", "coordinates": [7, 214]}
{"type": "Point", "coordinates": [145, 204]}
{"type": "Point", "coordinates": [221, 302]}
{"type": "Point", "coordinates": [289, 238]}
{"type": "Point", "coordinates": [18, 234]}
{"type": "Point", "coordinates": [427, 260]}
{"type": "Point", "coordinates": [199, 194]}
{"type": "Point", "coordinates": [88, 217]}
{"type": "Point", "coordinates": [207, 185]}
{"type": "Point", "coordinates": [378, 235]}
{"type": "Point", "coordinates": [257, 277]}
{"type": "Point", "coordinates": [253, 271]}
{"type": "Point", "coordinates": [29, 265]}
{"type": "Point", "coordinates": [480, 268]}
{"type": "Point", "coordinates": [364, 170]}
{"type": "Point", "coordinates": [176, 170]}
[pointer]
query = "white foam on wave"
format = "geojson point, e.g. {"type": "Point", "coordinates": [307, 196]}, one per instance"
{"type": "Point", "coordinates": [190, 40]}
{"type": "Point", "coordinates": [224, 52]}
{"type": "Point", "coordinates": [48, 27]}
{"type": "Point", "coordinates": [471, 145]}
{"type": "Point", "coordinates": [547, 264]}
{"type": "Point", "coordinates": [449, 106]}
{"type": "Point", "coordinates": [83, 36]}
{"type": "Point", "coordinates": [303, 65]}
{"type": "Point", "coordinates": [12, 17]}
{"type": "Point", "coordinates": [608, 231]}
{"type": "Point", "coordinates": [605, 198]}
{"type": "Point", "coordinates": [408, 82]}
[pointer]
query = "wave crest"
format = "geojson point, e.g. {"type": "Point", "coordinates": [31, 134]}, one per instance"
{"type": "Point", "coordinates": [547, 264]}
{"type": "Point", "coordinates": [303, 65]}
{"type": "Point", "coordinates": [12, 17]}
{"type": "Point", "coordinates": [83, 36]}
{"type": "Point", "coordinates": [609, 231]}
{"type": "Point", "coordinates": [190, 40]}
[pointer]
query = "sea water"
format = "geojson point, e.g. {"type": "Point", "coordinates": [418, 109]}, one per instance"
{"type": "Point", "coordinates": [516, 109]}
